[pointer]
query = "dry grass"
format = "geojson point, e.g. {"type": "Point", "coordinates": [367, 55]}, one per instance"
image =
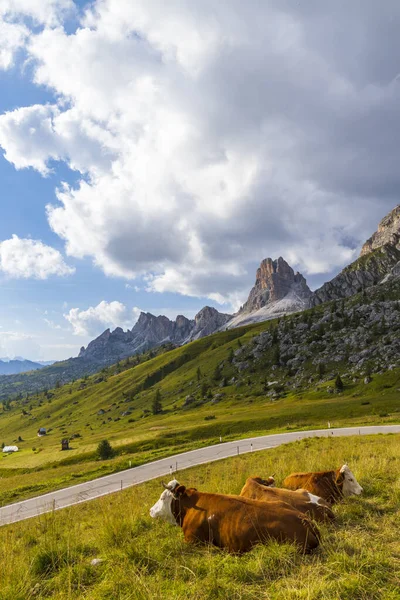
{"type": "Point", "coordinates": [50, 557]}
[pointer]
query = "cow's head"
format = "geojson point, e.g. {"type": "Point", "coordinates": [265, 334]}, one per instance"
{"type": "Point", "coordinates": [350, 483]}
{"type": "Point", "coordinates": [162, 509]}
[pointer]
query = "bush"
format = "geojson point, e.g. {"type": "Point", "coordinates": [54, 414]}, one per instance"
{"type": "Point", "coordinates": [339, 383]}
{"type": "Point", "coordinates": [104, 450]}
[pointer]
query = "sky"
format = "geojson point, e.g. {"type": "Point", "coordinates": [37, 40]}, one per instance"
{"type": "Point", "coordinates": [152, 153]}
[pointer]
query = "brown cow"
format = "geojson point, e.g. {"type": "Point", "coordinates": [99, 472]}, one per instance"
{"type": "Point", "coordinates": [256, 488]}
{"type": "Point", "coordinates": [330, 485]}
{"type": "Point", "coordinates": [233, 522]}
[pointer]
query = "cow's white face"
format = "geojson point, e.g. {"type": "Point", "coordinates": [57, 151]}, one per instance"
{"type": "Point", "coordinates": [350, 483]}
{"type": "Point", "coordinates": [162, 508]}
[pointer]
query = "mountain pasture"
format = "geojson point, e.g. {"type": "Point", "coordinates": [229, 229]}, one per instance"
{"type": "Point", "coordinates": [142, 558]}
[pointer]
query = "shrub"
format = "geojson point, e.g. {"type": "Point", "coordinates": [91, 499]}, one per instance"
{"type": "Point", "coordinates": [104, 450]}
{"type": "Point", "coordinates": [339, 383]}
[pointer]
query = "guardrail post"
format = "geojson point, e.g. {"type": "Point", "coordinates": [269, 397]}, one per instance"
{"type": "Point", "coordinates": [251, 447]}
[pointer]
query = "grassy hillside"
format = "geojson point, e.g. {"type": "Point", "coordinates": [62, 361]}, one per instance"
{"type": "Point", "coordinates": [50, 557]}
{"type": "Point", "coordinates": [233, 384]}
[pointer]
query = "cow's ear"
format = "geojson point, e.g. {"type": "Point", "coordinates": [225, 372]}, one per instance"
{"type": "Point", "coordinates": [339, 477]}
{"type": "Point", "coordinates": [179, 491]}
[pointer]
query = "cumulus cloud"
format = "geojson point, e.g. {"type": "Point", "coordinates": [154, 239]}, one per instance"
{"type": "Point", "coordinates": [25, 258]}
{"type": "Point", "coordinates": [210, 135]}
{"type": "Point", "coordinates": [15, 343]}
{"type": "Point", "coordinates": [12, 37]}
{"type": "Point", "coordinates": [95, 319]}
{"type": "Point", "coordinates": [43, 12]}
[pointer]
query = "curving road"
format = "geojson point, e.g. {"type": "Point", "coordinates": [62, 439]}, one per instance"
{"type": "Point", "coordinates": [165, 467]}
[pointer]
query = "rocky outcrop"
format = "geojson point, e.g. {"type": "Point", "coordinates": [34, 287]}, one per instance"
{"type": "Point", "coordinates": [388, 233]}
{"type": "Point", "coordinates": [150, 331]}
{"type": "Point", "coordinates": [378, 262]}
{"type": "Point", "coordinates": [207, 321]}
{"type": "Point", "coordinates": [275, 279]}
{"type": "Point", "coordinates": [278, 291]}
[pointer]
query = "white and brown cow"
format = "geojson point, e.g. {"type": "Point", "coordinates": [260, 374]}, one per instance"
{"type": "Point", "coordinates": [233, 522]}
{"type": "Point", "coordinates": [317, 508]}
{"type": "Point", "coordinates": [330, 485]}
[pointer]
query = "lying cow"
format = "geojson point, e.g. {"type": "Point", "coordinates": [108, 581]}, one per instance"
{"type": "Point", "coordinates": [330, 485]}
{"type": "Point", "coordinates": [233, 522]}
{"type": "Point", "coordinates": [256, 488]}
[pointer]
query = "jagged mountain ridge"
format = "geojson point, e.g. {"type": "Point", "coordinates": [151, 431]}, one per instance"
{"type": "Point", "coordinates": [379, 261]}
{"type": "Point", "coordinates": [150, 331]}
{"type": "Point", "coordinates": [388, 233]}
{"type": "Point", "coordinates": [278, 291]}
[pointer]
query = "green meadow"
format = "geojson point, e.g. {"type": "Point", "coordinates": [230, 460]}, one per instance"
{"type": "Point", "coordinates": [200, 405]}
{"type": "Point", "coordinates": [142, 558]}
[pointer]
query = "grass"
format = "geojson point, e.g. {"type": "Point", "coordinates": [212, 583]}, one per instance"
{"type": "Point", "coordinates": [359, 559]}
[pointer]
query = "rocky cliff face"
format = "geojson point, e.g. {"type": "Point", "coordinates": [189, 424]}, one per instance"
{"type": "Point", "coordinates": [151, 331]}
{"type": "Point", "coordinates": [275, 279]}
{"type": "Point", "coordinates": [379, 261]}
{"type": "Point", "coordinates": [207, 321]}
{"type": "Point", "coordinates": [388, 233]}
{"type": "Point", "coordinates": [278, 291]}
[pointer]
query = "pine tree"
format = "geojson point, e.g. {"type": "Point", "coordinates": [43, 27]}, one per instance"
{"type": "Point", "coordinates": [198, 374]}
{"type": "Point", "coordinates": [339, 383]}
{"type": "Point", "coordinates": [104, 450]}
{"type": "Point", "coordinates": [156, 407]}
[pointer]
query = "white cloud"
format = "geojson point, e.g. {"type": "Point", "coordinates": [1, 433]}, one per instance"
{"type": "Point", "coordinates": [15, 343]}
{"type": "Point", "coordinates": [12, 37]}
{"type": "Point", "coordinates": [210, 135]}
{"type": "Point", "coordinates": [25, 258]}
{"type": "Point", "coordinates": [95, 319]}
{"type": "Point", "coordinates": [43, 12]}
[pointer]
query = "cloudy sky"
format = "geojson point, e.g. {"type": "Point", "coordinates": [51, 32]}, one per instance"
{"type": "Point", "coordinates": [154, 152]}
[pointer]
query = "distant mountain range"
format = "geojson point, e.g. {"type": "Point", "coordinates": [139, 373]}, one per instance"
{"type": "Point", "coordinates": [19, 365]}
{"type": "Point", "coordinates": [277, 291]}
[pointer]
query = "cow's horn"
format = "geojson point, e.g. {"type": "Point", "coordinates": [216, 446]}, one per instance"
{"type": "Point", "coordinates": [164, 485]}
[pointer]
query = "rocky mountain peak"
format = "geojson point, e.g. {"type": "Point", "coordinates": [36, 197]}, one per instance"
{"type": "Point", "coordinates": [388, 233]}
{"type": "Point", "coordinates": [207, 321]}
{"type": "Point", "coordinates": [275, 279]}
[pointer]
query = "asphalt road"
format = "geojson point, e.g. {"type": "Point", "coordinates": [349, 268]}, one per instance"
{"type": "Point", "coordinates": [166, 467]}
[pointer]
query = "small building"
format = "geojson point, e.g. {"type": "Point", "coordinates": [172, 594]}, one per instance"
{"type": "Point", "coordinates": [8, 449]}
{"type": "Point", "coordinates": [41, 431]}
{"type": "Point", "coordinates": [65, 444]}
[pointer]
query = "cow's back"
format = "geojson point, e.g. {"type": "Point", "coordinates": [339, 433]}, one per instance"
{"type": "Point", "coordinates": [300, 499]}
{"type": "Point", "coordinates": [238, 523]}
{"type": "Point", "coordinates": [321, 484]}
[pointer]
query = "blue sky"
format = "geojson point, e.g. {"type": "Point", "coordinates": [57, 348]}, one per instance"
{"type": "Point", "coordinates": [151, 158]}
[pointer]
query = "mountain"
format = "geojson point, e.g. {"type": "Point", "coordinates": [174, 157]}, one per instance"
{"type": "Point", "coordinates": [277, 291]}
{"type": "Point", "coordinates": [20, 365]}
{"type": "Point", "coordinates": [151, 331]}
{"type": "Point", "coordinates": [207, 321]}
{"type": "Point", "coordinates": [379, 261]}
{"type": "Point", "coordinates": [388, 233]}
